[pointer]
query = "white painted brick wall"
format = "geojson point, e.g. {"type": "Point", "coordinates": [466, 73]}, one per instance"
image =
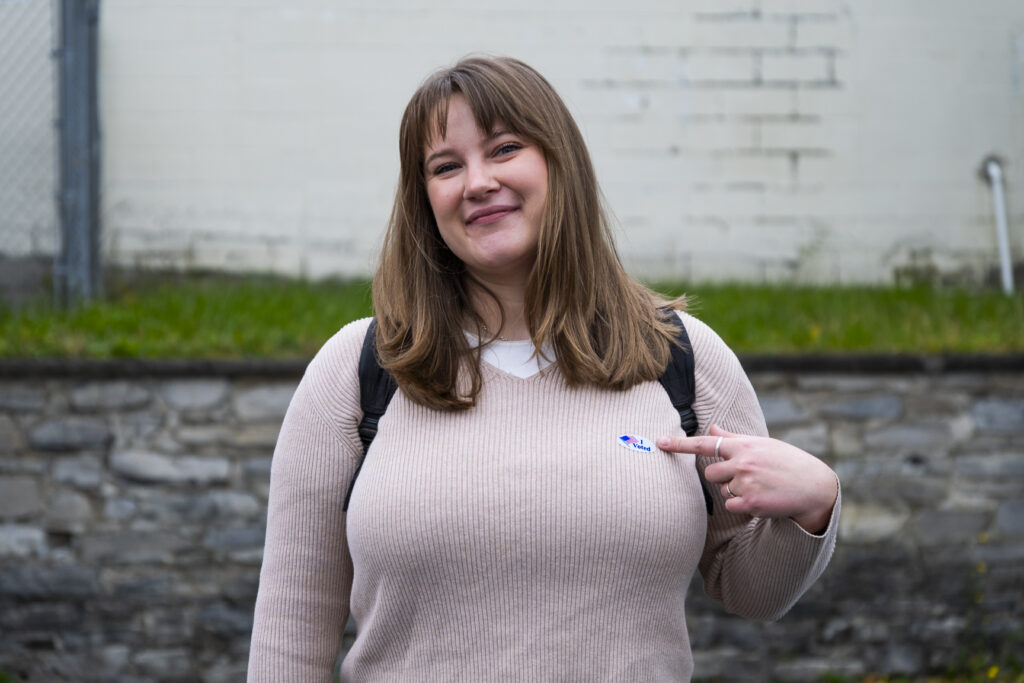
{"type": "Point", "coordinates": [810, 67]}
{"type": "Point", "coordinates": [798, 7]}
{"type": "Point", "coordinates": [739, 31]}
{"type": "Point", "coordinates": [831, 32]}
{"type": "Point", "coordinates": [813, 140]}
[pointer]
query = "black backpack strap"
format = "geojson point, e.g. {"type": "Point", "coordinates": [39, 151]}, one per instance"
{"type": "Point", "coordinates": [678, 380]}
{"type": "Point", "coordinates": [678, 376]}
{"type": "Point", "coordinates": [376, 388]}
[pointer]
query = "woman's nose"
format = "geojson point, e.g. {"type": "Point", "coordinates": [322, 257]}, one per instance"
{"type": "Point", "coordinates": [480, 180]}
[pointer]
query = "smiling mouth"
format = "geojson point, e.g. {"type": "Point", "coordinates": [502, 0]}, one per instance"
{"type": "Point", "coordinates": [489, 215]}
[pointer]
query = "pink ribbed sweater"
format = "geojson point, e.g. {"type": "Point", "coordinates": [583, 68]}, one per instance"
{"type": "Point", "coordinates": [517, 541]}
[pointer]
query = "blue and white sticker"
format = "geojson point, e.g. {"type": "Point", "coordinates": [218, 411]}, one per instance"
{"type": "Point", "coordinates": [636, 443]}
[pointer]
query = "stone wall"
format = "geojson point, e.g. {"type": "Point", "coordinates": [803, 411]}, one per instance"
{"type": "Point", "coordinates": [132, 500]}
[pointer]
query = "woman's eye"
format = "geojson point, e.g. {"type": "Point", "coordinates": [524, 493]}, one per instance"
{"type": "Point", "coordinates": [444, 168]}
{"type": "Point", "coordinates": [508, 148]}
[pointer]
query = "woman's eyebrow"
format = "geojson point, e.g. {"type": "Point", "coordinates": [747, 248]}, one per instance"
{"type": "Point", "coordinates": [439, 153]}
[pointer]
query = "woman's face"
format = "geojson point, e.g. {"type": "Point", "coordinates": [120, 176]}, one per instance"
{"type": "Point", "coordinates": [487, 190]}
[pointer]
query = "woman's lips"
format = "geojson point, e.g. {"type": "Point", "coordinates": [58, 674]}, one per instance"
{"type": "Point", "coordinates": [489, 214]}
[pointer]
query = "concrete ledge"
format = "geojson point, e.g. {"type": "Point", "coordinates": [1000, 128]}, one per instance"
{"type": "Point", "coordinates": [884, 363]}
{"type": "Point", "coordinates": [110, 369]}
{"type": "Point", "coordinates": [293, 368]}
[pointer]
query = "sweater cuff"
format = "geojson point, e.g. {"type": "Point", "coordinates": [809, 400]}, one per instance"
{"type": "Point", "coordinates": [830, 529]}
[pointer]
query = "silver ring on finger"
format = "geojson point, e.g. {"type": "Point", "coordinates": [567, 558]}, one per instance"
{"type": "Point", "coordinates": [718, 445]}
{"type": "Point", "coordinates": [729, 490]}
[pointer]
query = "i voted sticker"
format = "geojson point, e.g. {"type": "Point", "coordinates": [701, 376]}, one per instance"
{"type": "Point", "coordinates": [636, 443]}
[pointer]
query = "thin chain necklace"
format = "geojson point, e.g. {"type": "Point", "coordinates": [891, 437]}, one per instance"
{"type": "Point", "coordinates": [487, 331]}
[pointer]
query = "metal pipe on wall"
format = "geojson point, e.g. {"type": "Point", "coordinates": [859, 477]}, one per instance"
{"type": "Point", "coordinates": [77, 267]}
{"type": "Point", "coordinates": [992, 169]}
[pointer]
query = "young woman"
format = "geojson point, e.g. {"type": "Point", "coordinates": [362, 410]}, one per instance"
{"type": "Point", "coordinates": [498, 529]}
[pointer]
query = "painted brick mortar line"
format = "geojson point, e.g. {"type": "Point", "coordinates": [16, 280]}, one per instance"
{"type": "Point", "coordinates": [685, 52]}
{"type": "Point", "coordinates": [756, 16]}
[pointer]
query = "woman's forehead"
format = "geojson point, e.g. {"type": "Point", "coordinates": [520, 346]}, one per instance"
{"type": "Point", "coordinates": [435, 127]}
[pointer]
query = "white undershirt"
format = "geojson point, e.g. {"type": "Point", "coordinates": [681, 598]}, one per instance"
{"type": "Point", "coordinates": [514, 357]}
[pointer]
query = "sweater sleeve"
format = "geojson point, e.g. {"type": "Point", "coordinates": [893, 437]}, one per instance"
{"type": "Point", "coordinates": [756, 567]}
{"type": "Point", "coordinates": [305, 580]}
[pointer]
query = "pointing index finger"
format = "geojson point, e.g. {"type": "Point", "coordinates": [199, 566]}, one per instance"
{"type": "Point", "coordinates": [698, 445]}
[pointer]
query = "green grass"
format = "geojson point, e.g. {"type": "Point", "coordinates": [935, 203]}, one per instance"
{"type": "Point", "coordinates": [189, 318]}
{"type": "Point", "coordinates": [861, 319]}
{"type": "Point", "coordinates": [211, 317]}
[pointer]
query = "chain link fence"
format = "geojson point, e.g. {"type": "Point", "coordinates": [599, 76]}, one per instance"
{"type": "Point", "coordinates": [29, 224]}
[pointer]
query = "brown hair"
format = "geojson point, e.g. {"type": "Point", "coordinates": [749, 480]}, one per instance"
{"type": "Point", "coordinates": [604, 326]}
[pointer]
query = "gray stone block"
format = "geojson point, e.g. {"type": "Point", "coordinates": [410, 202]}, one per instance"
{"type": "Point", "coordinates": [1010, 518]}
{"type": "Point", "coordinates": [220, 414]}
{"type": "Point", "coordinates": [939, 527]}
{"type": "Point", "coordinates": [104, 396]}
{"type": "Point", "coordinates": [163, 442]}
{"type": "Point", "coordinates": [263, 403]}
{"type": "Point", "coordinates": [999, 415]}
{"type": "Point", "coordinates": [254, 436]}
{"type": "Point", "coordinates": [19, 497]}
{"type": "Point", "coordinates": [69, 512]}
{"type": "Point", "coordinates": [235, 538]}
{"type": "Point", "coordinates": [34, 619]}
{"type": "Point", "coordinates": [84, 471]}
{"type": "Point", "coordinates": [846, 441]}
{"type": "Point", "coordinates": [996, 466]}
{"type": "Point", "coordinates": [136, 427]}
{"type": "Point", "coordinates": [25, 463]}
{"type": "Point", "coordinates": [154, 587]}
{"type": "Point", "coordinates": [225, 505]}
{"type": "Point", "coordinates": [156, 468]}
{"type": "Point", "coordinates": [42, 582]}
{"type": "Point", "coordinates": [258, 467]}
{"type": "Point", "coordinates": [805, 670]}
{"type": "Point", "coordinates": [113, 659]}
{"type": "Point", "coordinates": [902, 658]}
{"type": "Point", "coordinates": [780, 412]}
{"type": "Point", "coordinates": [892, 488]}
{"type": "Point", "coordinates": [813, 438]}
{"type": "Point", "coordinates": [120, 509]}
{"type": "Point", "coordinates": [22, 398]}
{"type": "Point", "coordinates": [11, 438]}
{"type": "Point", "coordinates": [195, 394]}
{"type": "Point", "coordinates": [166, 509]}
{"type": "Point", "coordinates": [224, 670]}
{"type": "Point", "coordinates": [70, 434]}
{"type": "Point", "coordinates": [870, 523]}
{"type": "Point", "coordinates": [170, 626]}
{"type": "Point", "coordinates": [201, 435]}
{"type": "Point", "coordinates": [21, 541]}
{"type": "Point", "coordinates": [905, 437]}
{"type": "Point", "coordinates": [169, 664]}
{"type": "Point", "coordinates": [226, 621]}
{"type": "Point", "coordinates": [851, 384]}
{"type": "Point", "coordinates": [884, 406]}
{"type": "Point", "coordinates": [130, 547]}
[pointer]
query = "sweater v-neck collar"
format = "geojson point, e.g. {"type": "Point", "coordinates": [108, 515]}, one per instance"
{"type": "Point", "coordinates": [514, 358]}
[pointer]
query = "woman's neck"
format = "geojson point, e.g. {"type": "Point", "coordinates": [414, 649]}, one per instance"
{"type": "Point", "coordinates": [512, 300]}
